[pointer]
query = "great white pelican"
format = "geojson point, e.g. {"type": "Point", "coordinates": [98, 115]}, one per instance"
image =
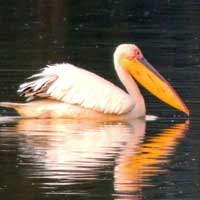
{"type": "Point", "coordinates": [67, 91]}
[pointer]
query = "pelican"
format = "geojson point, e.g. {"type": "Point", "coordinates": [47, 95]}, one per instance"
{"type": "Point", "coordinates": [67, 91]}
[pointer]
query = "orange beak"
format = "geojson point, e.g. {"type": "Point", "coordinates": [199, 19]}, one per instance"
{"type": "Point", "coordinates": [154, 82]}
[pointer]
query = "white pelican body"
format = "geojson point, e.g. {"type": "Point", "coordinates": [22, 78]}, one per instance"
{"type": "Point", "coordinates": [66, 91]}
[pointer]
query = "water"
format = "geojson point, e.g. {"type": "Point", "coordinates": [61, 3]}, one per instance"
{"type": "Point", "coordinates": [67, 159]}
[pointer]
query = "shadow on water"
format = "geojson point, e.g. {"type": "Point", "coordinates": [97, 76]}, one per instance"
{"type": "Point", "coordinates": [56, 156]}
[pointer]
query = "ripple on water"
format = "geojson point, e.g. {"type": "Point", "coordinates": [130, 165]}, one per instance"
{"type": "Point", "coordinates": [73, 157]}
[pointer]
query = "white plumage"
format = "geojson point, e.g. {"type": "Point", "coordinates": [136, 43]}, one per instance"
{"type": "Point", "coordinates": [66, 91]}
{"type": "Point", "coordinates": [73, 85]}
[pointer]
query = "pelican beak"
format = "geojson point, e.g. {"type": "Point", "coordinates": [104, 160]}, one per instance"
{"type": "Point", "coordinates": [154, 82]}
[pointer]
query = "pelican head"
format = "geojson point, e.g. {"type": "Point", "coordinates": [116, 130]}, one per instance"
{"type": "Point", "coordinates": [131, 59]}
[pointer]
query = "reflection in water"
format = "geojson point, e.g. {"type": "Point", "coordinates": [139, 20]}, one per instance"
{"type": "Point", "coordinates": [137, 164]}
{"type": "Point", "coordinates": [78, 149]}
{"type": "Point", "coordinates": [34, 33]}
{"type": "Point", "coordinates": [59, 154]}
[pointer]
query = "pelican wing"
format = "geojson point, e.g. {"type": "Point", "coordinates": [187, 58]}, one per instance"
{"type": "Point", "coordinates": [73, 85]}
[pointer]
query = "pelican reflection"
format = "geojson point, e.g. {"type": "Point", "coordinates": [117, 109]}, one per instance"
{"type": "Point", "coordinates": [63, 152]}
{"type": "Point", "coordinates": [137, 164]}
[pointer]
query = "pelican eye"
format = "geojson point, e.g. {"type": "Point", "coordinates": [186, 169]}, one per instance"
{"type": "Point", "coordinates": [137, 53]}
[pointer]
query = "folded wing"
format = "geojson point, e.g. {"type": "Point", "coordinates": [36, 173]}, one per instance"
{"type": "Point", "coordinates": [73, 85]}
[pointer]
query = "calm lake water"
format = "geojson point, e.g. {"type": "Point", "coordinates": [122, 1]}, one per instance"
{"type": "Point", "coordinates": [68, 159]}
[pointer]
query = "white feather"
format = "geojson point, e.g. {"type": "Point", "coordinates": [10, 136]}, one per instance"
{"type": "Point", "coordinates": [74, 85]}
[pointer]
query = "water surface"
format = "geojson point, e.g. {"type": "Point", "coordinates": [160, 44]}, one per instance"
{"type": "Point", "coordinates": [66, 159]}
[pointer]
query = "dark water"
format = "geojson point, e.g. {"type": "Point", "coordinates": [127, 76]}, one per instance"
{"type": "Point", "coordinates": [65, 159]}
